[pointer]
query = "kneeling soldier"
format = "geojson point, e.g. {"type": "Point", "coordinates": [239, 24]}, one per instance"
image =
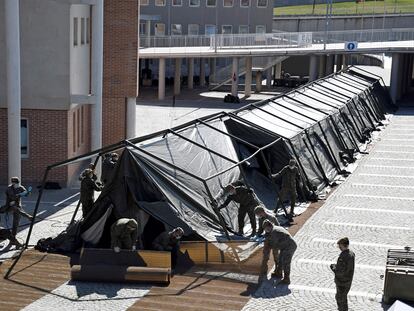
{"type": "Point", "coordinates": [278, 238]}
{"type": "Point", "coordinates": [124, 234]}
{"type": "Point", "coordinates": [169, 241]}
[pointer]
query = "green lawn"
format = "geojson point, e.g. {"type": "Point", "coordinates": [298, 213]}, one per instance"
{"type": "Point", "coordinates": [378, 7]}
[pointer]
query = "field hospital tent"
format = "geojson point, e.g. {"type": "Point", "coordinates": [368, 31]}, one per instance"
{"type": "Point", "coordinates": [171, 178]}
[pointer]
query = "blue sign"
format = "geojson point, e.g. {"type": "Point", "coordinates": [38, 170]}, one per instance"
{"type": "Point", "coordinates": [351, 46]}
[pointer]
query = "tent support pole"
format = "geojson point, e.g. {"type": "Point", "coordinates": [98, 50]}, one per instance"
{"type": "Point", "coordinates": [349, 84]}
{"type": "Point", "coordinates": [353, 92]}
{"type": "Point", "coordinates": [366, 71]}
{"type": "Point", "coordinates": [311, 107]}
{"type": "Point", "coordinates": [354, 123]}
{"type": "Point", "coordinates": [330, 149]}
{"type": "Point", "coordinates": [39, 197]}
{"type": "Point", "coordinates": [368, 113]}
{"type": "Point", "coordinates": [333, 91]}
{"type": "Point", "coordinates": [315, 156]}
{"type": "Point", "coordinates": [277, 117]}
{"type": "Point", "coordinates": [338, 133]}
{"type": "Point", "coordinates": [373, 108]}
{"type": "Point", "coordinates": [344, 121]}
{"type": "Point", "coordinates": [326, 95]}
{"type": "Point", "coordinates": [294, 111]}
{"type": "Point", "coordinates": [377, 107]}
{"type": "Point", "coordinates": [357, 79]}
{"type": "Point", "coordinates": [358, 113]}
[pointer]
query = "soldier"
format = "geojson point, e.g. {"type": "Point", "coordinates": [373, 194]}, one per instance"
{"type": "Point", "coordinates": [169, 241]}
{"type": "Point", "coordinates": [114, 157]}
{"type": "Point", "coordinates": [91, 166]}
{"type": "Point", "coordinates": [88, 186]}
{"type": "Point", "coordinates": [247, 200]}
{"type": "Point", "coordinates": [278, 238]}
{"type": "Point", "coordinates": [262, 215]}
{"type": "Point", "coordinates": [344, 272]}
{"type": "Point", "coordinates": [108, 166]}
{"type": "Point", "coordinates": [14, 192]}
{"type": "Point", "coordinates": [6, 234]}
{"type": "Point", "coordinates": [124, 234]}
{"type": "Point", "coordinates": [289, 174]}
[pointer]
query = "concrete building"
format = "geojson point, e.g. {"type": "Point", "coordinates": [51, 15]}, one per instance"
{"type": "Point", "coordinates": [77, 78]}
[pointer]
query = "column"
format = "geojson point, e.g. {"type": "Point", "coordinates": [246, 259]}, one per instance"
{"type": "Point", "coordinates": [177, 76]}
{"type": "Point", "coordinates": [248, 77]}
{"type": "Point", "coordinates": [338, 62]}
{"type": "Point", "coordinates": [269, 77]}
{"type": "Point", "coordinates": [258, 81]}
{"type": "Point", "coordinates": [235, 77]}
{"type": "Point", "coordinates": [148, 32]}
{"type": "Point", "coordinates": [13, 86]}
{"type": "Point", "coordinates": [322, 65]}
{"type": "Point", "coordinates": [330, 62]}
{"type": "Point", "coordinates": [395, 77]}
{"type": "Point", "coordinates": [313, 68]}
{"type": "Point", "coordinates": [190, 74]}
{"type": "Point", "coordinates": [202, 72]}
{"type": "Point", "coordinates": [213, 70]}
{"type": "Point", "coordinates": [131, 117]}
{"type": "Point", "coordinates": [161, 79]}
{"type": "Point", "coordinates": [345, 60]}
{"type": "Point", "coordinates": [97, 74]}
{"type": "Point", "coordinates": [278, 70]}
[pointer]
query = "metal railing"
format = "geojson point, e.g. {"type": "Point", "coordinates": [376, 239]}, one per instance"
{"type": "Point", "coordinates": [282, 39]}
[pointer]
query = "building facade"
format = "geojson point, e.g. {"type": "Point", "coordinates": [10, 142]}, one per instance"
{"type": "Point", "coordinates": [56, 82]}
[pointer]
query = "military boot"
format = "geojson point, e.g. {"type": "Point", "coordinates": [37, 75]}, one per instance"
{"type": "Point", "coordinates": [277, 273]}
{"type": "Point", "coordinates": [285, 280]}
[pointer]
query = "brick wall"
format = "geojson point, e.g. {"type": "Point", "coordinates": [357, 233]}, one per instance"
{"type": "Point", "coordinates": [120, 65]}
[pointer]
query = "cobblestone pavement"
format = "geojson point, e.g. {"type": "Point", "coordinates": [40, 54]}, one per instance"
{"type": "Point", "coordinates": [374, 208]}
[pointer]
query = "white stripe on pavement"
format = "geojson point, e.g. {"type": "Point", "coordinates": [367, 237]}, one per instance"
{"type": "Point", "coordinates": [381, 186]}
{"type": "Point", "coordinates": [376, 210]}
{"type": "Point", "coordinates": [391, 151]}
{"type": "Point", "coordinates": [396, 139]}
{"type": "Point", "coordinates": [327, 263]}
{"type": "Point", "coordinates": [392, 159]}
{"type": "Point", "coordinates": [378, 197]}
{"type": "Point", "coordinates": [333, 291]}
{"type": "Point", "coordinates": [385, 175]}
{"type": "Point", "coordinates": [389, 166]}
{"type": "Point", "coordinates": [63, 201]}
{"type": "Point", "coordinates": [389, 145]}
{"type": "Point", "coordinates": [336, 223]}
{"type": "Point", "coordinates": [359, 243]}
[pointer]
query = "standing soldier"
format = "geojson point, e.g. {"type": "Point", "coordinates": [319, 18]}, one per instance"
{"type": "Point", "coordinates": [14, 192]}
{"type": "Point", "coordinates": [91, 166]}
{"type": "Point", "coordinates": [289, 174]}
{"type": "Point", "coordinates": [344, 273]}
{"type": "Point", "coordinates": [169, 241]}
{"type": "Point", "coordinates": [247, 200]}
{"type": "Point", "coordinates": [108, 166]}
{"type": "Point", "coordinates": [124, 234]}
{"type": "Point", "coordinates": [278, 238]}
{"type": "Point", "coordinates": [88, 187]}
{"type": "Point", "coordinates": [262, 215]}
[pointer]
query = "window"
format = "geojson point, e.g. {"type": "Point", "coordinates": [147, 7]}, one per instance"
{"type": "Point", "coordinates": [83, 31]}
{"type": "Point", "coordinates": [144, 2]}
{"type": "Point", "coordinates": [88, 31]}
{"type": "Point", "coordinates": [228, 3]}
{"type": "Point", "coordinates": [159, 2]}
{"type": "Point", "coordinates": [211, 3]}
{"type": "Point", "coordinates": [159, 29]}
{"type": "Point", "coordinates": [210, 30]}
{"type": "Point", "coordinates": [260, 29]}
{"type": "Point", "coordinates": [75, 31]}
{"type": "Point", "coordinates": [244, 3]}
{"type": "Point", "coordinates": [74, 131]}
{"type": "Point", "coordinates": [193, 29]}
{"type": "Point", "coordinates": [261, 3]}
{"type": "Point", "coordinates": [24, 138]}
{"type": "Point", "coordinates": [244, 29]}
{"type": "Point", "coordinates": [177, 2]}
{"type": "Point", "coordinates": [78, 125]}
{"type": "Point", "coordinates": [176, 30]}
{"type": "Point", "coordinates": [194, 3]}
{"type": "Point", "coordinates": [142, 28]}
{"type": "Point", "coordinates": [226, 29]}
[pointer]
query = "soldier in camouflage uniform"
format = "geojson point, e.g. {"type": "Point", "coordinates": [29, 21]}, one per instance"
{"type": "Point", "coordinates": [278, 238]}
{"type": "Point", "coordinates": [262, 215]}
{"type": "Point", "coordinates": [88, 187]}
{"type": "Point", "coordinates": [344, 273]}
{"type": "Point", "coordinates": [247, 200]}
{"type": "Point", "coordinates": [169, 241]}
{"type": "Point", "coordinates": [289, 174]}
{"type": "Point", "coordinates": [124, 234]}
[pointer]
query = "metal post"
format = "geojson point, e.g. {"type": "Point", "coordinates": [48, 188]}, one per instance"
{"type": "Point", "coordinates": [190, 75]}
{"type": "Point", "coordinates": [248, 77]}
{"type": "Point", "coordinates": [161, 79]}
{"type": "Point", "coordinates": [235, 77]}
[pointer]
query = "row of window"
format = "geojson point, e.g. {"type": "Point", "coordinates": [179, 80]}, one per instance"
{"type": "Point", "coordinates": [194, 29]}
{"type": "Point", "coordinates": [209, 3]}
{"type": "Point", "coordinates": [84, 31]}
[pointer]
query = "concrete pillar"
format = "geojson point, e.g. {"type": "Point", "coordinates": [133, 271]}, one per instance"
{"type": "Point", "coordinates": [177, 76]}
{"type": "Point", "coordinates": [148, 32]}
{"type": "Point", "coordinates": [202, 72]}
{"type": "Point", "coordinates": [258, 81]}
{"type": "Point", "coordinates": [278, 70]}
{"type": "Point", "coordinates": [330, 62]}
{"type": "Point", "coordinates": [190, 75]}
{"type": "Point", "coordinates": [161, 79]}
{"type": "Point", "coordinates": [213, 69]}
{"type": "Point", "coordinates": [12, 22]}
{"type": "Point", "coordinates": [322, 66]}
{"type": "Point", "coordinates": [235, 77]}
{"type": "Point", "coordinates": [269, 78]}
{"type": "Point", "coordinates": [345, 60]}
{"type": "Point", "coordinates": [339, 63]}
{"type": "Point", "coordinates": [395, 77]}
{"type": "Point", "coordinates": [248, 77]}
{"type": "Point", "coordinates": [97, 74]}
{"type": "Point", "coordinates": [313, 68]}
{"type": "Point", "coordinates": [131, 117]}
